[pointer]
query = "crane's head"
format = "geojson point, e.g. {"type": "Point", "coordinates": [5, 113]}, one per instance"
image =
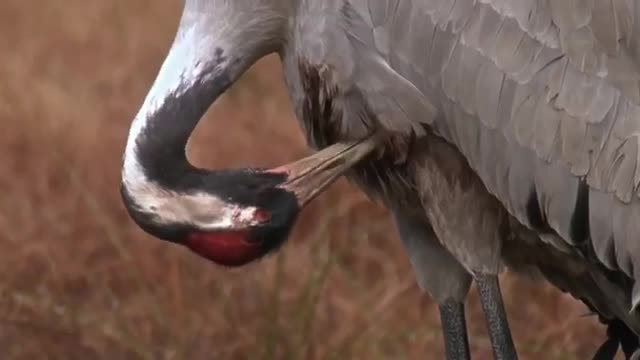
{"type": "Point", "coordinates": [229, 216]}
{"type": "Point", "coordinates": [233, 217]}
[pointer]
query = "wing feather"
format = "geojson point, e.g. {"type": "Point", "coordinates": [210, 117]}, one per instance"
{"type": "Point", "coordinates": [543, 98]}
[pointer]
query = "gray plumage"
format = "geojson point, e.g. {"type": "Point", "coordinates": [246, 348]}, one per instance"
{"type": "Point", "coordinates": [540, 97]}
{"type": "Point", "coordinates": [510, 128]}
{"type": "Point", "coordinates": [529, 106]}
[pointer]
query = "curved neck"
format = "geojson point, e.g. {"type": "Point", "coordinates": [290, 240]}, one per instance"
{"type": "Point", "coordinates": [214, 45]}
{"type": "Point", "coordinates": [158, 146]}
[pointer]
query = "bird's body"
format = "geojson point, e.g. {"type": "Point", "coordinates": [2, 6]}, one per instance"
{"type": "Point", "coordinates": [342, 90]}
{"type": "Point", "coordinates": [482, 87]}
{"type": "Point", "coordinates": [507, 127]}
{"type": "Point", "coordinates": [495, 97]}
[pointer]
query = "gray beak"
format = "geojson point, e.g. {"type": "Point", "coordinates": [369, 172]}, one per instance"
{"type": "Point", "coordinates": [308, 177]}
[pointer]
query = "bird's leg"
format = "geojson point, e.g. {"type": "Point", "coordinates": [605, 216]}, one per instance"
{"type": "Point", "coordinates": [496, 317]}
{"type": "Point", "coordinates": [440, 275]}
{"type": "Point", "coordinates": [454, 330]}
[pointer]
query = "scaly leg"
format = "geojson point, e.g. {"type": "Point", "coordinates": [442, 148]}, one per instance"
{"type": "Point", "coordinates": [454, 330]}
{"type": "Point", "coordinates": [496, 317]}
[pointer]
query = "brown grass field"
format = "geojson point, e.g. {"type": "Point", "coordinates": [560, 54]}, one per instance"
{"type": "Point", "coordinates": [78, 280]}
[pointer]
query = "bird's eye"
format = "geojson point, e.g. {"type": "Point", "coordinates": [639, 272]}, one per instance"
{"type": "Point", "coordinates": [261, 216]}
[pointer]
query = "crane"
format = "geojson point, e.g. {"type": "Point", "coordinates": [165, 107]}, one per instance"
{"type": "Point", "coordinates": [535, 101]}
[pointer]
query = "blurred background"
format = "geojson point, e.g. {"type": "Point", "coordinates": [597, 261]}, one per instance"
{"type": "Point", "coordinates": [78, 280]}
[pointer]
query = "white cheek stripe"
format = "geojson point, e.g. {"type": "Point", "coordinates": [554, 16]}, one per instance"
{"type": "Point", "coordinates": [205, 211]}
{"type": "Point", "coordinates": [181, 69]}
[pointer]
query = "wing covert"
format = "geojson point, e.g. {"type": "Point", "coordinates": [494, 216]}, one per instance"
{"type": "Point", "coordinates": [542, 97]}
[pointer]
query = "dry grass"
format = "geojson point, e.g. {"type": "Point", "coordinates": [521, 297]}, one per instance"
{"type": "Point", "coordinates": [79, 280]}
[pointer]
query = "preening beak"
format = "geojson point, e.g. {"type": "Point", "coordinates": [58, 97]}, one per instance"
{"type": "Point", "coordinates": [308, 177]}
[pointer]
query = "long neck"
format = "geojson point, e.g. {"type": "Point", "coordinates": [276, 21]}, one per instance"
{"type": "Point", "coordinates": [216, 42]}
{"type": "Point", "coordinates": [158, 138]}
